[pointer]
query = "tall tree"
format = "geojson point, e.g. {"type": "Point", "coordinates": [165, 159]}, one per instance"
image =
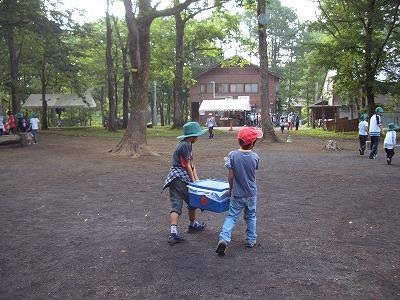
{"type": "Point", "coordinates": [15, 15]}
{"type": "Point", "coordinates": [112, 126]}
{"type": "Point", "coordinates": [268, 129]}
{"type": "Point", "coordinates": [134, 141]}
{"type": "Point", "coordinates": [364, 28]}
{"type": "Point", "coordinates": [123, 45]}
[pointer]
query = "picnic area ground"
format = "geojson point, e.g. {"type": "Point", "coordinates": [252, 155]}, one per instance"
{"type": "Point", "coordinates": [77, 222]}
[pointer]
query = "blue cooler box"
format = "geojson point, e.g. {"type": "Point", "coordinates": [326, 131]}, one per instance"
{"type": "Point", "coordinates": [209, 194]}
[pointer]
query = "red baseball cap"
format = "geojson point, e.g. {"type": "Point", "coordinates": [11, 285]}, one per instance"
{"type": "Point", "coordinates": [249, 134]}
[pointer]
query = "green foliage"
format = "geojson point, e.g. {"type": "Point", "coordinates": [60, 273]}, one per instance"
{"type": "Point", "coordinates": [157, 131]}
{"type": "Point", "coordinates": [324, 134]}
{"type": "Point", "coordinates": [362, 41]}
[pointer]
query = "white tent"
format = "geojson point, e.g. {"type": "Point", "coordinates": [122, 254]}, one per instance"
{"type": "Point", "coordinates": [60, 100]}
{"type": "Point", "coordinates": [225, 105]}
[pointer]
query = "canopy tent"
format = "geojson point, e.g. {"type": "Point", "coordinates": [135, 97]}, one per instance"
{"type": "Point", "coordinates": [60, 100]}
{"type": "Point", "coordinates": [225, 105]}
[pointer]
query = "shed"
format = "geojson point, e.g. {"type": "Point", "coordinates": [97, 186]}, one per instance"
{"type": "Point", "coordinates": [60, 100]}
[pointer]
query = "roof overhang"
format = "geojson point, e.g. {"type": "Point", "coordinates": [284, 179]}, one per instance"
{"type": "Point", "coordinates": [225, 105]}
{"type": "Point", "coordinates": [60, 100]}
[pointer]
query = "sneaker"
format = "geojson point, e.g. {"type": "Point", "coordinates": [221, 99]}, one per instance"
{"type": "Point", "coordinates": [361, 152]}
{"type": "Point", "coordinates": [221, 248]}
{"type": "Point", "coordinates": [198, 226]}
{"type": "Point", "coordinates": [175, 238]}
{"type": "Point", "coordinates": [388, 160]}
{"type": "Point", "coordinates": [251, 244]}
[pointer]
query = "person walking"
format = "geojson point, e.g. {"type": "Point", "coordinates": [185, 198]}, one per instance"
{"type": "Point", "coordinates": [210, 123]}
{"type": "Point", "coordinates": [34, 124]}
{"type": "Point", "coordinates": [282, 124]}
{"type": "Point", "coordinates": [181, 173]}
{"type": "Point", "coordinates": [362, 133]}
{"type": "Point", "coordinates": [1, 124]}
{"type": "Point", "coordinates": [242, 165]}
{"type": "Point", "coordinates": [375, 129]}
{"type": "Point", "coordinates": [297, 121]}
{"type": "Point", "coordinates": [11, 122]}
{"type": "Point", "coordinates": [389, 143]}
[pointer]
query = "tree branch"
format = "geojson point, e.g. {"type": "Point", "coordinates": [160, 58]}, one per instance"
{"type": "Point", "coordinates": [173, 10]}
{"type": "Point", "coordinates": [329, 20]}
{"type": "Point", "coordinates": [392, 26]}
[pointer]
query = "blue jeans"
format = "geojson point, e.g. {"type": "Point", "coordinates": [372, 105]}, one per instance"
{"type": "Point", "coordinates": [34, 135]}
{"type": "Point", "coordinates": [235, 208]}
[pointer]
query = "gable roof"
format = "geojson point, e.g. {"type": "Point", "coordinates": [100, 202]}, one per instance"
{"type": "Point", "coordinates": [60, 100]}
{"type": "Point", "coordinates": [219, 65]}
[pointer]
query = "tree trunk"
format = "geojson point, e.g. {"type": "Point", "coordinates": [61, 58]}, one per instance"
{"type": "Point", "coordinates": [16, 105]}
{"type": "Point", "coordinates": [161, 109]}
{"type": "Point", "coordinates": [268, 129]}
{"type": "Point", "coordinates": [125, 93]}
{"type": "Point", "coordinates": [134, 141]}
{"type": "Point", "coordinates": [44, 102]}
{"type": "Point", "coordinates": [178, 86]}
{"type": "Point", "coordinates": [369, 70]}
{"type": "Point", "coordinates": [110, 76]}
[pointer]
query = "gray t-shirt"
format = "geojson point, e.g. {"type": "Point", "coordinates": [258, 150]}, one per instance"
{"type": "Point", "coordinates": [244, 164]}
{"type": "Point", "coordinates": [182, 154]}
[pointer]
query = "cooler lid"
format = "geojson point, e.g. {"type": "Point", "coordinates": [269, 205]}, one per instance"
{"type": "Point", "coordinates": [211, 184]}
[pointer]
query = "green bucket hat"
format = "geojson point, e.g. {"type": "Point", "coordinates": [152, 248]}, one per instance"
{"type": "Point", "coordinates": [379, 109]}
{"type": "Point", "coordinates": [363, 117]}
{"type": "Point", "coordinates": [392, 126]}
{"type": "Point", "coordinates": [191, 129]}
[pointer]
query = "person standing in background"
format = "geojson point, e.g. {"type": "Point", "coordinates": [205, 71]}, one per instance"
{"type": "Point", "coordinates": [34, 121]}
{"type": "Point", "coordinates": [210, 123]}
{"type": "Point", "coordinates": [389, 143]}
{"type": "Point", "coordinates": [297, 121]}
{"type": "Point", "coordinates": [1, 124]}
{"type": "Point", "coordinates": [362, 133]}
{"type": "Point", "coordinates": [375, 129]}
{"type": "Point", "coordinates": [11, 122]}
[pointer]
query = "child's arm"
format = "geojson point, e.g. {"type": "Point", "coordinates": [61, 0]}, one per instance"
{"type": "Point", "coordinates": [194, 172]}
{"type": "Point", "coordinates": [230, 181]}
{"type": "Point", "coordinates": [191, 171]}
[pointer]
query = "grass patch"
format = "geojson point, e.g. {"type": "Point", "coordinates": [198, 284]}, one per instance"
{"type": "Point", "coordinates": [324, 134]}
{"type": "Point", "coordinates": [157, 131]}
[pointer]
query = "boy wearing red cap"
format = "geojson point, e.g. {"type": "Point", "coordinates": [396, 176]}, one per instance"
{"type": "Point", "coordinates": [242, 165]}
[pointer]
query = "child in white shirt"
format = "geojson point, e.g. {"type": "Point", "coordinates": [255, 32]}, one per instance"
{"type": "Point", "coordinates": [389, 143]}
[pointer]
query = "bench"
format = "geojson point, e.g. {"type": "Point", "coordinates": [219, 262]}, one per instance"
{"type": "Point", "coordinates": [22, 138]}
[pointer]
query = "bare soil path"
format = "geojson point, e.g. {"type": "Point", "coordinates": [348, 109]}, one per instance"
{"type": "Point", "coordinates": [76, 222]}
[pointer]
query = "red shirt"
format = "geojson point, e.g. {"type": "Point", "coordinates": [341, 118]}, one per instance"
{"type": "Point", "coordinates": [11, 121]}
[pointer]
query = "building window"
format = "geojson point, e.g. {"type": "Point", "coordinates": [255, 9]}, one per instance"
{"type": "Point", "coordinates": [251, 88]}
{"type": "Point", "coordinates": [210, 88]}
{"type": "Point", "coordinates": [236, 87]}
{"type": "Point", "coordinates": [221, 88]}
{"type": "Point", "coordinates": [202, 88]}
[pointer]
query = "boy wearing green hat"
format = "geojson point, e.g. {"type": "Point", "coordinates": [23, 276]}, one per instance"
{"type": "Point", "coordinates": [181, 173]}
{"type": "Point", "coordinates": [362, 133]}
{"type": "Point", "coordinates": [389, 143]}
{"type": "Point", "coordinates": [375, 129]}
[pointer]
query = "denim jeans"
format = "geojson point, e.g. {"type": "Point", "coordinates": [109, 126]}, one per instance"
{"type": "Point", "coordinates": [235, 208]}
{"type": "Point", "coordinates": [34, 135]}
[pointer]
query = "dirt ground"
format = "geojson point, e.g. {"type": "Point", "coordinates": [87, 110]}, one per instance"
{"type": "Point", "coordinates": [76, 222]}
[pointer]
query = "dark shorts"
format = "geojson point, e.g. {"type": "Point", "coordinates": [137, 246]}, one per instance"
{"type": "Point", "coordinates": [178, 192]}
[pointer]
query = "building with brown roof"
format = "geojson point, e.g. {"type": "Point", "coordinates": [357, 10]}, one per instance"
{"type": "Point", "coordinates": [220, 82]}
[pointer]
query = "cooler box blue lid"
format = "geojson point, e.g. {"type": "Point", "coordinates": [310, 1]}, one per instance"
{"type": "Point", "coordinates": [211, 184]}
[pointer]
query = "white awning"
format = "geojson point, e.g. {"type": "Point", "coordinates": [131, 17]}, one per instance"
{"type": "Point", "coordinates": [60, 100]}
{"type": "Point", "coordinates": [225, 105]}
